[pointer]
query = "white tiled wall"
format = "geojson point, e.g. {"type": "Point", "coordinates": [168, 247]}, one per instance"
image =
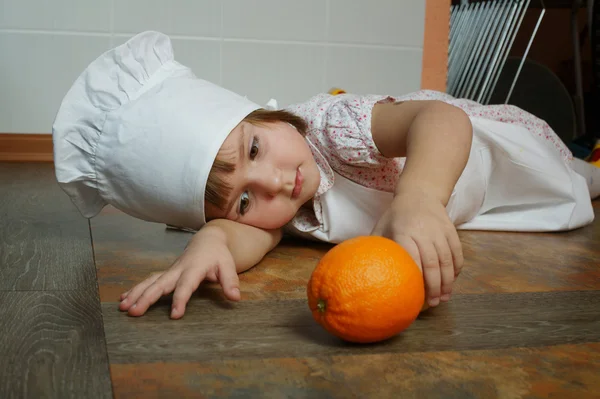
{"type": "Point", "coordinates": [283, 49]}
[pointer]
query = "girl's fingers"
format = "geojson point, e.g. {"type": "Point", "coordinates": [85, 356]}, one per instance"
{"type": "Point", "coordinates": [134, 293]}
{"type": "Point", "coordinates": [186, 285]}
{"type": "Point", "coordinates": [456, 249]}
{"type": "Point", "coordinates": [431, 271]}
{"type": "Point", "coordinates": [229, 280]}
{"type": "Point", "coordinates": [411, 247]}
{"type": "Point", "coordinates": [446, 268]}
{"type": "Point", "coordinates": [162, 286]}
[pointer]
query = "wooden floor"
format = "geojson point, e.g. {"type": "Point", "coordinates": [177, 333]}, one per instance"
{"type": "Point", "coordinates": [524, 323]}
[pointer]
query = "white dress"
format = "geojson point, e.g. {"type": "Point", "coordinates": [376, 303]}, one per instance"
{"type": "Point", "coordinates": [514, 180]}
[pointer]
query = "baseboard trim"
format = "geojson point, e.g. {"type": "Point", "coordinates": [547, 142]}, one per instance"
{"type": "Point", "coordinates": [26, 147]}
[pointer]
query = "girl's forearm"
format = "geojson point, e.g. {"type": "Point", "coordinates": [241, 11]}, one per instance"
{"type": "Point", "coordinates": [437, 149]}
{"type": "Point", "coordinates": [247, 244]}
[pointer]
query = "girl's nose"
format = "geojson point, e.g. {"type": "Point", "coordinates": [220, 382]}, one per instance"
{"type": "Point", "coordinates": [269, 179]}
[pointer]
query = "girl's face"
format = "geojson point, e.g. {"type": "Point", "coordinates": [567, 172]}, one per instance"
{"type": "Point", "coordinates": [275, 175]}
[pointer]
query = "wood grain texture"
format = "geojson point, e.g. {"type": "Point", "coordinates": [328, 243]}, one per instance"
{"type": "Point", "coordinates": [26, 147]}
{"type": "Point", "coordinates": [216, 329]}
{"type": "Point", "coordinates": [51, 335]}
{"type": "Point", "coordinates": [52, 346]}
{"type": "Point", "coordinates": [44, 241]}
{"type": "Point", "coordinates": [527, 262]}
{"type": "Point", "coordinates": [564, 371]}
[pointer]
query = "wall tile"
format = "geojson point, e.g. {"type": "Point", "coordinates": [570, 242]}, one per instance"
{"type": "Point", "coordinates": [288, 50]}
{"type": "Point", "coordinates": [287, 72]}
{"type": "Point", "coordinates": [76, 15]}
{"type": "Point", "coordinates": [37, 75]}
{"type": "Point", "coordinates": [386, 22]}
{"type": "Point", "coordinates": [175, 17]}
{"type": "Point", "coordinates": [275, 20]}
{"type": "Point", "coordinates": [374, 71]}
{"type": "Point", "coordinates": [203, 57]}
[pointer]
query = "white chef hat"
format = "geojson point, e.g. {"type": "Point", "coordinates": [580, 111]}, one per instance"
{"type": "Point", "coordinates": [140, 131]}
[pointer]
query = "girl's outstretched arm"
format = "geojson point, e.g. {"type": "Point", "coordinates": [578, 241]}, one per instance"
{"type": "Point", "coordinates": [435, 138]}
{"type": "Point", "coordinates": [247, 244]}
{"type": "Point", "coordinates": [217, 253]}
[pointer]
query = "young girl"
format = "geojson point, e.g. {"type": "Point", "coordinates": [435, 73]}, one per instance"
{"type": "Point", "coordinates": [139, 131]}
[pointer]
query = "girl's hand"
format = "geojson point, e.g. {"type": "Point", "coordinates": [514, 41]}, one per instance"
{"type": "Point", "coordinates": [420, 224]}
{"type": "Point", "coordinates": [205, 258]}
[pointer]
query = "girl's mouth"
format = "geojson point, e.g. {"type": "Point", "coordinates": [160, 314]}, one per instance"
{"type": "Point", "coordinates": [298, 186]}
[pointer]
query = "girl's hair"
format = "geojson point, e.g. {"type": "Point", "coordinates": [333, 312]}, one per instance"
{"type": "Point", "coordinates": [217, 189]}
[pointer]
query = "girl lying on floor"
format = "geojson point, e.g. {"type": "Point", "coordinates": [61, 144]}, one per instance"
{"type": "Point", "coordinates": [141, 132]}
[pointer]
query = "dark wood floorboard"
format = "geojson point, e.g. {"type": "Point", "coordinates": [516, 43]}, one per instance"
{"type": "Point", "coordinates": [44, 241]}
{"type": "Point", "coordinates": [52, 345]}
{"type": "Point", "coordinates": [52, 342]}
{"type": "Point", "coordinates": [214, 330]}
{"type": "Point", "coordinates": [562, 372]}
{"type": "Point", "coordinates": [526, 262]}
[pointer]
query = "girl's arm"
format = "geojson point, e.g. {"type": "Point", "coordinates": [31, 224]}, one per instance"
{"type": "Point", "coordinates": [435, 138]}
{"type": "Point", "coordinates": [216, 253]}
{"type": "Point", "coordinates": [247, 244]}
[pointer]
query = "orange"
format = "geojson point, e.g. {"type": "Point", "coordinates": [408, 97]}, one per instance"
{"type": "Point", "coordinates": [366, 289]}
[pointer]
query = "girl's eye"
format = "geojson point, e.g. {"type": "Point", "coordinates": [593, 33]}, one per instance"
{"type": "Point", "coordinates": [244, 203]}
{"type": "Point", "coordinates": [254, 148]}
